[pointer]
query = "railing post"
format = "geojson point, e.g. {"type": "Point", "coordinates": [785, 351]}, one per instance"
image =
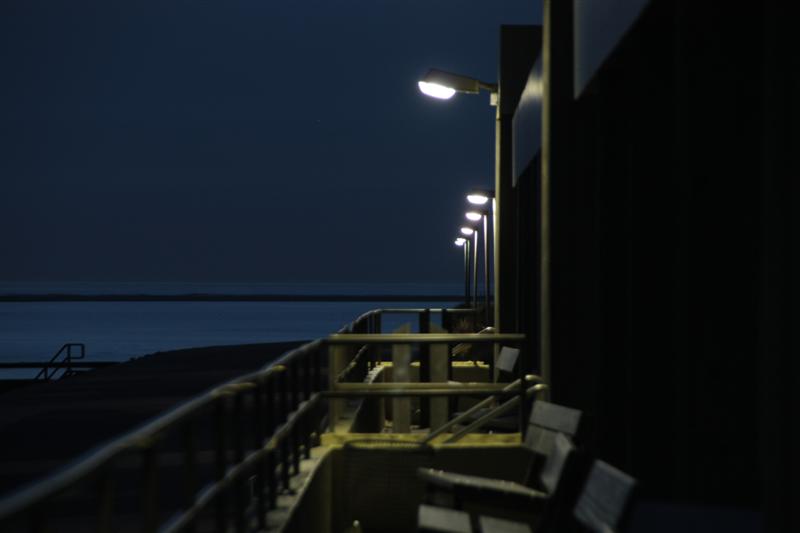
{"type": "Point", "coordinates": [285, 463]}
{"type": "Point", "coordinates": [220, 462]}
{"type": "Point", "coordinates": [283, 417]}
{"type": "Point", "coordinates": [295, 432]}
{"type": "Point", "coordinates": [190, 468]}
{"type": "Point", "coordinates": [401, 371]}
{"type": "Point", "coordinates": [521, 367]}
{"type": "Point", "coordinates": [239, 486]}
{"type": "Point", "coordinates": [425, 368]}
{"type": "Point", "coordinates": [307, 383]}
{"type": "Point", "coordinates": [272, 481]}
{"type": "Point", "coordinates": [337, 360]}
{"type": "Point", "coordinates": [261, 505]}
{"type": "Point", "coordinates": [294, 374]}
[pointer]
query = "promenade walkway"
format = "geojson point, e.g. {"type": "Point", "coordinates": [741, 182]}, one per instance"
{"type": "Point", "coordinates": [47, 425]}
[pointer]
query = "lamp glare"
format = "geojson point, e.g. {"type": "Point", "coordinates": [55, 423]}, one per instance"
{"type": "Point", "coordinates": [474, 216]}
{"type": "Point", "coordinates": [460, 241]}
{"type": "Point", "coordinates": [435, 90]}
{"type": "Point", "coordinates": [477, 199]}
{"type": "Point", "coordinates": [467, 231]}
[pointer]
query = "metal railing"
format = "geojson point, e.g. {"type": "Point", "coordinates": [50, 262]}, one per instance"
{"type": "Point", "coordinates": [222, 459]}
{"type": "Point", "coordinates": [62, 359]}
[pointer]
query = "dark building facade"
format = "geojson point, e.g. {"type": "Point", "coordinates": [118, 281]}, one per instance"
{"type": "Point", "coordinates": [647, 174]}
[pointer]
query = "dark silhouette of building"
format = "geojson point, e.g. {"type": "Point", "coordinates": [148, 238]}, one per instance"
{"type": "Point", "coordinates": [647, 174]}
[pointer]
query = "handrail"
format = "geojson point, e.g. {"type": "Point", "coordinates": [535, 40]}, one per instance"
{"type": "Point", "coordinates": [424, 338]}
{"type": "Point", "coordinates": [494, 413]}
{"type": "Point", "coordinates": [276, 389]}
{"type": "Point", "coordinates": [101, 454]}
{"type": "Point", "coordinates": [87, 365]}
{"type": "Point", "coordinates": [477, 407]}
{"type": "Point", "coordinates": [67, 363]}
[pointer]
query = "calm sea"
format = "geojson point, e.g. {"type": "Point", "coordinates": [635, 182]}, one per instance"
{"type": "Point", "coordinates": [33, 331]}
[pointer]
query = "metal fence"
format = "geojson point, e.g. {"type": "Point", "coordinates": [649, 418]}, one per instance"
{"type": "Point", "coordinates": [221, 460]}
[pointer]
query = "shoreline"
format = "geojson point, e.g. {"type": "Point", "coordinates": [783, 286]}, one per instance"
{"type": "Point", "coordinates": [227, 298]}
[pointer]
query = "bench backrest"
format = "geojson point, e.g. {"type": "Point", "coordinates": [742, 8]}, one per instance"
{"type": "Point", "coordinates": [556, 461]}
{"type": "Point", "coordinates": [506, 361]}
{"type": "Point", "coordinates": [548, 419]}
{"type": "Point", "coordinates": [604, 501]}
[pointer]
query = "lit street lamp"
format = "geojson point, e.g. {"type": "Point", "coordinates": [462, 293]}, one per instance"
{"type": "Point", "coordinates": [444, 85]}
{"type": "Point", "coordinates": [482, 197]}
{"type": "Point", "coordinates": [471, 231]}
{"type": "Point", "coordinates": [464, 243]}
{"type": "Point", "coordinates": [475, 215]}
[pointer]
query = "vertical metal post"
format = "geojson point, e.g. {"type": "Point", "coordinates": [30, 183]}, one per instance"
{"type": "Point", "coordinates": [190, 468]}
{"type": "Point", "coordinates": [283, 397]}
{"type": "Point", "coordinates": [272, 481]}
{"type": "Point", "coordinates": [425, 367]}
{"type": "Point", "coordinates": [523, 420]}
{"type": "Point", "coordinates": [475, 275]}
{"type": "Point", "coordinates": [239, 486]}
{"type": "Point", "coordinates": [295, 432]}
{"type": "Point", "coordinates": [317, 367]}
{"type": "Point", "coordinates": [305, 427]}
{"type": "Point", "coordinates": [466, 273]}
{"type": "Point", "coordinates": [283, 417]}
{"type": "Point", "coordinates": [307, 383]}
{"type": "Point", "coordinates": [337, 360]}
{"type": "Point", "coordinates": [294, 386]}
{"type": "Point", "coordinates": [285, 463]}
{"type": "Point", "coordinates": [260, 487]}
{"type": "Point", "coordinates": [220, 462]}
{"type": "Point", "coordinates": [486, 269]}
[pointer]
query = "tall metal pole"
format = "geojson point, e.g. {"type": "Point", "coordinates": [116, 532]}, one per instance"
{"type": "Point", "coordinates": [466, 272]}
{"type": "Point", "coordinates": [486, 269]}
{"type": "Point", "coordinates": [475, 270]}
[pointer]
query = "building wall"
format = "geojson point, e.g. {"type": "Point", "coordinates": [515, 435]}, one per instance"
{"type": "Point", "coordinates": [670, 183]}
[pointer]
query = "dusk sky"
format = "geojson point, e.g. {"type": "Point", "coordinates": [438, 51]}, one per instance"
{"type": "Point", "coordinates": [152, 140]}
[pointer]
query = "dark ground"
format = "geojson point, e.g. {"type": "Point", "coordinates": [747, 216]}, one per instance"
{"type": "Point", "coordinates": [45, 426]}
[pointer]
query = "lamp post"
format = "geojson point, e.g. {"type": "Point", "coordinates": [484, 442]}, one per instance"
{"type": "Point", "coordinates": [475, 215]}
{"type": "Point", "coordinates": [464, 243]}
{"type": "Point", "coordinates": [482, 197]}
{"type": "Point", "coordinates": [471, 231]}
{"type": "Point", "coordinates": [444, 85]}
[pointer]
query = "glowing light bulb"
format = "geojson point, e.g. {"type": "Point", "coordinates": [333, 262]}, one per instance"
{"type": "Point", "coordinates": [460, 241]}
{"type": "Point", "coordinates": [467, 231]}
{"type": "Point", "coordinates": [435, 90]}
{"type": "Point", "coordinates": [477, 199]}
{"type": "Point", "coordinates": [474, 216]}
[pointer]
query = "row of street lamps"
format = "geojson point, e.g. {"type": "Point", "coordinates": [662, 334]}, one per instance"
{"type": "Point", "coordinates": [443, 85]}
{"type": "Point", "coordinates": [472, 229]}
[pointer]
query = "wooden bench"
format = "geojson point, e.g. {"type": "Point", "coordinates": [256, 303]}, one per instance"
{"type": "Point", "coordinates": [554, 459]}
{"type": "Point", "coordinates": [603, 506]}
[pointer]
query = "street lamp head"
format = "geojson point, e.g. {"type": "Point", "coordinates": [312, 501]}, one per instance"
{"type": "Point", "coordinates": [461, 241]}
{"type": "Point", "coordinates": [435, 90]}
{"type": "Point", "coordinates": [443, 85]}
{"type": "Point", "coordinates": [479, 196]}
{"type": "Point", "coordinates": [466, 230]}
{"type": "Point", "coordinates": [476, 214]}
